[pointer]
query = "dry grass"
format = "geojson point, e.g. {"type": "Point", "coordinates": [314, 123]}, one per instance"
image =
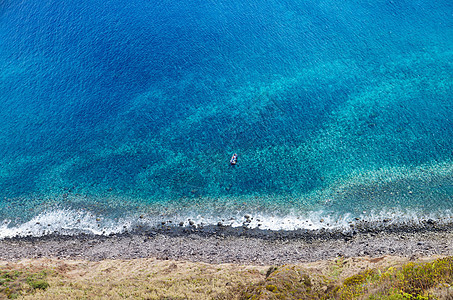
{"type": "Point", "coordinates": [138, 279]}
{"type": "Point", "coordinates": [385, 277]}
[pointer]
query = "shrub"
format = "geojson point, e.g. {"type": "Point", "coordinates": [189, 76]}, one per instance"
{"type": "Point", "coordinates": [286, 282]}
{"type": "Point", "coordinates": [39, 284]}
{"type": "Point", "coordinates": [410, 281]}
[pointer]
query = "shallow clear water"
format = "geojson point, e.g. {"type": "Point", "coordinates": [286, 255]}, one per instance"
{"type": "Point", "coordinates": [114, 114]}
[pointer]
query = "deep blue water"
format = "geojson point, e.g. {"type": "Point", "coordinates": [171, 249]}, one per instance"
{"type": "Point", "coordinates": [112, 110]}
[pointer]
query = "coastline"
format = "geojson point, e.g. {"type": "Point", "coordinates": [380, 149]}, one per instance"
{"type": "Point", "coordinates": [171, 264]}
{"type": "Point", "coordinates": [233, 245]}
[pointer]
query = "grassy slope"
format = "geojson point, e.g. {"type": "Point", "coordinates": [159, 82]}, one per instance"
{"type": "Point", "coordinates": [360, 278]}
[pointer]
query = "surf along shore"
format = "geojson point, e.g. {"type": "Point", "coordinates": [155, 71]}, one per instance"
{"type": "Point", "coordinates": [222, 263]}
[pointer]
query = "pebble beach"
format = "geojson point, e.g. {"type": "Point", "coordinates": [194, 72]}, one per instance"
{"type": "Point", "coordinates": [231, 245]}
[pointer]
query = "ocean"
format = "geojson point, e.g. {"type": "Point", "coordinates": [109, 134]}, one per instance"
{"type": "Point", "coordinates": [116, 115]}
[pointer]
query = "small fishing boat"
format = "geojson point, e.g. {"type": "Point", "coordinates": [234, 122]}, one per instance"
{"type": "Point", "coordinates": [234, 159]}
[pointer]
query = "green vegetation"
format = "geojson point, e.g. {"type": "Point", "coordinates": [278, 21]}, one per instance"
{"type": "Point", "coordinates": [418, 281]}
{"type": "Point", "coordinates": [15, 283]}
{"type": "Point", "coordinates": [385, 278]}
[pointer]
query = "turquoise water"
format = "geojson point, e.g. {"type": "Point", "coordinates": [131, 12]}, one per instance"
{"type": "Point", "coordinates": [115, 114]}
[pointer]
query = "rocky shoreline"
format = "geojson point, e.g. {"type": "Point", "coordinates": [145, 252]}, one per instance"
{"type": "Point", "coordinates": [216, 244]}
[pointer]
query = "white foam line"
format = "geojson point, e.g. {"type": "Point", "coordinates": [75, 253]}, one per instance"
{"type": "Point", "coordinates": [67, 222]}
{"type": "Point", "coordinates": [70, 222]}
